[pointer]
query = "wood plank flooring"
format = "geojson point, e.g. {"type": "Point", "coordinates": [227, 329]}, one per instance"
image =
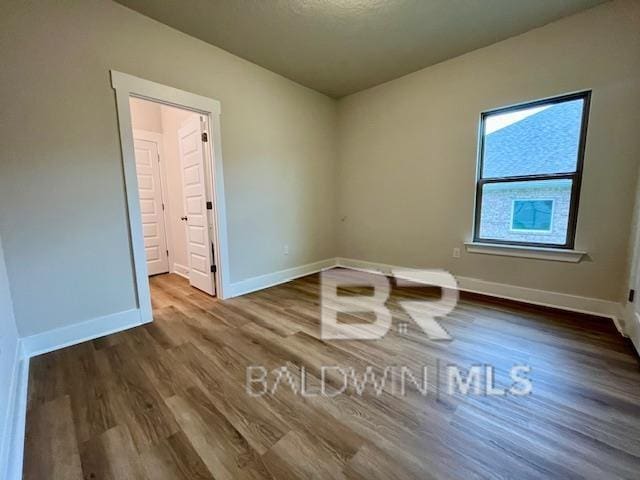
{"type": "Point", "coordinates": [170, 400]}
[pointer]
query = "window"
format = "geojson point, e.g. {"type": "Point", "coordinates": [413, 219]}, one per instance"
{"type": "Point", "coordinates": [530, 172]}
{"type": "Point", "coordinates": [532, 216]}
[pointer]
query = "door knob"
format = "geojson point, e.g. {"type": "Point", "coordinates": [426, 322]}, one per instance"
{"type": "Point", "coordinates": [183, 218]}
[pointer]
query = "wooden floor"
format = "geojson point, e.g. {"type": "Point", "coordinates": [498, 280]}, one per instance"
{"type": "Point", "coordinates": [169, 400]}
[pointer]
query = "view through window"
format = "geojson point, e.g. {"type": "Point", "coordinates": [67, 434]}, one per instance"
{"type": "Point", "coordinates": [530, 171]}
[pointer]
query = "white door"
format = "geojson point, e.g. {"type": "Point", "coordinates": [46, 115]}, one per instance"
{"type": "Point", "coordinates": [151, 205]}
{"type": "Point", "coordinates": [199, 249]}
{"type": "Point", "coordinates": [633, 317]}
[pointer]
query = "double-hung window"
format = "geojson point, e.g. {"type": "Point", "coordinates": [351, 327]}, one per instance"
{"type": "Point", "coordinates": [529, 172]}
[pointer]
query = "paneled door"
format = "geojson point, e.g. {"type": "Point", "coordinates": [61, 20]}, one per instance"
{"type": "Point", "coordinates": [199, 248]}
{"type": "Point", "coordinates": [151, 205]}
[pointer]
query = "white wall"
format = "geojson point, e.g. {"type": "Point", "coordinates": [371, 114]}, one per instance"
{"type": "Point", "coordinates": [145, 115]}
{"type": "Point", "coordinates": [408, 153]}
{"type": "Point", "coordinates": [8, 362]}
{"type": "Point", "coordinates": [63, 218]}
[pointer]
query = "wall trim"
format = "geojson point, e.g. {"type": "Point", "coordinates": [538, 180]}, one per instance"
{"type": "Point", "coordinates": [45, 342]}
{"type": "Point", "coordinates": [127, 86]}
{"type": "Point", "coordinates": [8, 443]}
{"type": "Point", "coordinates": [51, 340]}
{"type": "Point", "coordinates": [181, 270]}
{"type": "Point", "coordinates": [18, 411]}
{"type": "Point", "coordinates": [540, 253]}
{"type": "Point", "coordinates": [634, 331]}
{"type": "Point", "coordinates": [62, 337]}
{"type": "Point", "coordinates": [545, 298]}
{"type": "Point", "coordinates": [276, 278]}
{"type": "Point", "coordinates": [632, 324]}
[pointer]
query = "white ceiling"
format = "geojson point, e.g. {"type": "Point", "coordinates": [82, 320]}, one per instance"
{"type": "Point", "coordinates": [339, 47]}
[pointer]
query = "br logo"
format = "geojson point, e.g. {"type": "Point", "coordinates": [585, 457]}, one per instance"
{"type": "Point", "coordinates": [423, 312]}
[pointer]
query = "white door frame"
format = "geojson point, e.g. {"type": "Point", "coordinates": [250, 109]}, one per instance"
{"type": "Point", "coordinates": [630, 312]}
{"type": "Point", "coordinates": [127, 86]}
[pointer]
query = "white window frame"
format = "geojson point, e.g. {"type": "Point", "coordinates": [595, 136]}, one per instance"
{"type": "Point", "coordinates": [531, 232]}
{"type": "Point", "coordinates": [543, 251]}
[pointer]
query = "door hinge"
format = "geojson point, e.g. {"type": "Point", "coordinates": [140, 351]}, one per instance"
{"type": "Point", "coordinates": [209, 205]}
{"type": "Point", "coordinates": [167, 253]}
{"type": "Point", "coordinates": [632, 295]}
{"type": "Point", "coordinates": [205, 137]}
{"type": "Point", "coordinates": [163, 206]}
{"type": "Point", "coordinates": [213, 269]}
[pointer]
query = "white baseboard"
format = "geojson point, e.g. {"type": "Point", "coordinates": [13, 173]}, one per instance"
{"type": "Point", "coordinates": [563, 301]}
{"type": "Point", "coordinates": [16, 435]}
{"type": "Point", "coordinates": [546, 298]}
{"type": "Point", "coordinates": [271, 279]}
{"type": "Point", "coordinates": [634, 332]}
{"type": "Point", "coordinates": [70, 335]}
{"type": "Point", "coordinates": [632, 325]}
{"type": "Point", "coordinates": [11, 375]}
{"type": "Point", "coordinates": [181, 270]}
{"type": "Point", "coordinates": [55, 339]}
{"type": "Point", "coordinates": [45, 342]}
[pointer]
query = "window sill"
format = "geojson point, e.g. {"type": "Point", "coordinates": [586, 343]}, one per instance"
{"type": "Point", "coordinates": [540, 253]}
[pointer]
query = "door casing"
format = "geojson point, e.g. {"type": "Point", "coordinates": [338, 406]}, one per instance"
{"type": "Point", "coordinates": [127, 86]}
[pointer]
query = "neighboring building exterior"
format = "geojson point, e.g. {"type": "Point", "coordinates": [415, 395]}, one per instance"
{"type": "Point", "coordinates": [500, 201]}
{"type": "Point", "coordinates": [534, 211]}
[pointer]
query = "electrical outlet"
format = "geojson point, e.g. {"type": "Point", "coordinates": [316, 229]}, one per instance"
{"type": "Point", "coordinates": [456, 253]}
{"type": "Point", "coordinates": [285, 249]}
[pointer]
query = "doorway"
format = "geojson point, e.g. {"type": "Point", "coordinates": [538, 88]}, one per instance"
{"type": "Point", "coordinates": [176, 205]}
{"type": "Point", "coordinates": [174, 184]}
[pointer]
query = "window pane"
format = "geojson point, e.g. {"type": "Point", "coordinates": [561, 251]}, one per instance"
{"type": "Point", "coordinates": [534, 215]}
{"type": "Point", "coordinates": [529, 212]}
{"type": "Point", "coordinates": [532, 141]}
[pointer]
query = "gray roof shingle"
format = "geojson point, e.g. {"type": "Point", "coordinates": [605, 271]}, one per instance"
{"type": "Point", "coordinates": [545, 142]}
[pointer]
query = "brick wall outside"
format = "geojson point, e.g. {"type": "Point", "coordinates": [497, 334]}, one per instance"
{"type": "Point", "coordinates": [497, 206]}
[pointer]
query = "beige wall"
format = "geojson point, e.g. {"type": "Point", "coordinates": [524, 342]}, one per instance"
{"type": "Point", "coordinates": [63, 215]}
{"type": "Point", "coordinates": [402, 188]}
{"type": "Point", "coordinates": [408, 152]}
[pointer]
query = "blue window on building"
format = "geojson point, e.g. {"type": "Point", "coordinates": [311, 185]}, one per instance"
{"type": "Point", "coordinates": [532, 215]}
{"type": "Point", "coordinates": [530, 171]}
